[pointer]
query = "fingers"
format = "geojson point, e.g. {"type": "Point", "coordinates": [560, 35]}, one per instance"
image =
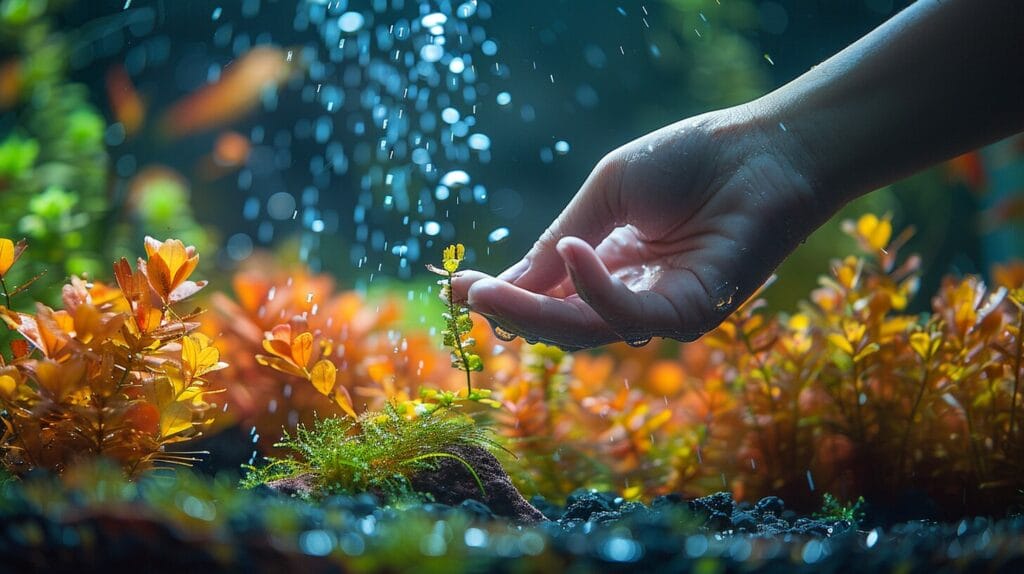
{"type": "Point", "coordinates": [463, 281]}
{"type": "Point", "coordinates": [591, 215]}
{"type": "Point", "coordinates": [568, 323]}
{"type": "Point", "coordinates": [671, 303]}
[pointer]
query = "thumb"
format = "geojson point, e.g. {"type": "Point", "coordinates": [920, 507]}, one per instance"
{"type": "Point", "coordinates": [591, 215]}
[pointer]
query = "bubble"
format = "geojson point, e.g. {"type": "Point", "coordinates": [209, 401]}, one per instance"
{"type": "Point", "coordinates": [434, 19]}
{"type": "Point", "coordinates": [503, 99]}
{"type": "Point", "coordinates": [619, 549]}
{"type": "Point", "coordinates": [457, 65]}
{"type": "Point", "coordinates": [351, 22]}
{"type": "Point", "coordinates": [561, 147]}
{"type": "Point", "coordinates": [450, 115]}
{"type": "Point", "coordinates": [239, 246]}
{"type": "Point", "coordinates": [432, 228]}
{"type": "Point", "coordinates": [281, 205]}
{"type": "Point", "coordinates": [420, 156]}
{"type": "Point", "coordinates": [431, 53]}
{"type": "Point", "coordinates": [498, 235]}
{"type": "Point", "coordinates": [696, 546]}
{"type": "Point", "coordinates": [316, 542]}
{"type": "Point", "coordinates": [466, 9]}
{"type": "Point", "coordinates": [479, 142]}
{"type": "Point", "coordinates": [489, 47]}
{"type": "Point", "coordinates": [475, 538]}
{"type": "Point", "coordinates": [455, 178]}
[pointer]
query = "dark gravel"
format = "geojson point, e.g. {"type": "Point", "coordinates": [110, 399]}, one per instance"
{"type": "Point", "coordinates": [594, 531]}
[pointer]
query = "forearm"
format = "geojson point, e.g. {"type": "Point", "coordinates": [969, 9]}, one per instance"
{"type": "Point", "coordinates": [938, 79]}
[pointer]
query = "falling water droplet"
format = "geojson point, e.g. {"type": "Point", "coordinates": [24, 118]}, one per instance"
{"type": "Point", "coordinates": [638, 342]}
{"type": "Point", "coordinates": [503, 334]}
{"type": "Point", "coordinates": [499, 234]}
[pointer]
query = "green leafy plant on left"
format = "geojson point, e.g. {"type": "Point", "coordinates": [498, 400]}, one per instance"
{"type": "Point", "coordinates": [54, 165]}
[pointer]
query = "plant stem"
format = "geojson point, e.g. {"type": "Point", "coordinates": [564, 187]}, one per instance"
{"type": "Point", "coordinates": [1016, 374]}
{"type": "Point", "coordinates": [457, 334]}
{"type": "Point", "coordinates": [910, 421]}
{"type": "Point", "coordinates": [7, 294]}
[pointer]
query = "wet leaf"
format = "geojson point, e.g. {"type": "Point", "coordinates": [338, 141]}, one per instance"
{"type": "Point", "coordinates": [323, 376]}
{"type": "Point", "coordinates": [344, 400]}
{"type": "Point", "coordinates": [302, 349]}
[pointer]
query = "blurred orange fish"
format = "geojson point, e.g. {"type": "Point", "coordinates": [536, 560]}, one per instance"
{"type": "Point", "coordinates": [125, 101]}
{"type": "Point", "coordinates": [236, 94]}
{"type": "Point", "coordinates": [230, 152]}
{"type": "Point", "coordinates": [969, 169]}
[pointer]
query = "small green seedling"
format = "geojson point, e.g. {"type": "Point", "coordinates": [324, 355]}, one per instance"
{"type": "Point", "coordinates": [458, 323]}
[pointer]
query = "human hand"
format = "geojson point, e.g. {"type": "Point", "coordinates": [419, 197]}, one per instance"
{"type": "Point", "coordinates": [666, 237]}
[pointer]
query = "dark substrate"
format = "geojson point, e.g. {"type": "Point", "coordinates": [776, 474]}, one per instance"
{"type": "Point", "coordinates": [265, 531]}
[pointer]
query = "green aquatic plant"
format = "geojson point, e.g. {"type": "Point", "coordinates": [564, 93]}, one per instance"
{"type": "Point", "coordinates": [55, 180]}
{"type": "Point", "coordinates": [379, 452]}
{"type": "Point", "coordinates": [458, 323]}
{"type": "Point", "coordinates": [831, 508]}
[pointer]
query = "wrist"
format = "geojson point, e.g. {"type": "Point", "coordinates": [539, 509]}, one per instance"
{"type": "Point", "coordinates": [772, 142]}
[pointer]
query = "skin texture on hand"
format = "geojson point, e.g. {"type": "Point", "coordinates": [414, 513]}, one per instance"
{"type": "Point", "coordinates": [673, 231]}
{"type": "Point", "coordinates": [668, 235]}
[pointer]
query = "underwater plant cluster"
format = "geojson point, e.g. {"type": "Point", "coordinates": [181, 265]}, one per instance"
{"type": "Point", "coordinates": [850, 396]}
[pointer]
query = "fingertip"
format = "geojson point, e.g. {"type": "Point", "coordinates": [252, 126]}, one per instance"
{"type": "Point", "coordinates": [464, 281]}
{"type": "Point", "coordinates": [480, 295]}
{"type": "Point", "coordinates": [569, 249]}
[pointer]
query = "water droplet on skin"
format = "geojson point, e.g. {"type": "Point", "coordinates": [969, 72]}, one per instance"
{"type": "Point", "coordinates": [638, 342]}
{"type": "Point", "coordinates": [503, 334]}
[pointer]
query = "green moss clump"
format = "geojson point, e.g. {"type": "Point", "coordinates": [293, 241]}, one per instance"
{"type": "Point", "coordinates": [378, 453]}
{"type": "Point", "coordinates": [851, 512]}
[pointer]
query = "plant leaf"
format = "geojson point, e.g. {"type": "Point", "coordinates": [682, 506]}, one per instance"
{"type": "Point", "coordinates": [323, 376]}
{"type": "Point", "coordinates": [6, 255]}
{"type": "Point", "coordinates": [344, 400]}
{"type": "Point", "coordinates": [177, 417]}
{"type": "Point", "coordinates": [302, 349]}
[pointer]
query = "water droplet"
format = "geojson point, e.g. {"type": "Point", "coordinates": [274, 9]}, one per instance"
{"type": "Point", "coordinates": [351, 22]}
{"type": "Point", "coordinates": [504, 335]}
{"type": "Point", "coordinates": [498, 235]}
{"type": "Point", "coordinates": [479, 142]}
{"type": "Point", "coordinates": [434, 19]}
{"type": "Point", "coordinates": [455, 178]}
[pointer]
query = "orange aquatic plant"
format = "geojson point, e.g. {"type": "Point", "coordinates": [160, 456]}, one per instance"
{"type": "Point", "coordinates": [117, 373]}
{"type": "Point", "coordinates": [849, 394]}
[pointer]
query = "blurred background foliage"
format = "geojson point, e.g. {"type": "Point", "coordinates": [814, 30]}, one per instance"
{"type": "Point", "coordinates": [88, 166]}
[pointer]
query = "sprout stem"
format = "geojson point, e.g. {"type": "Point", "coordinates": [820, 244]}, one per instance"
{"type": "Point", "coordinates": [453, 312]}
{"type": "Point", "coordinates": [7, 293]}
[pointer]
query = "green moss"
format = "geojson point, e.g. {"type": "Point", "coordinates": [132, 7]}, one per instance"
{"type": "Point", "coordinates": [851, 512]}
{"type": "Point", "coordinates": [379, 452]}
